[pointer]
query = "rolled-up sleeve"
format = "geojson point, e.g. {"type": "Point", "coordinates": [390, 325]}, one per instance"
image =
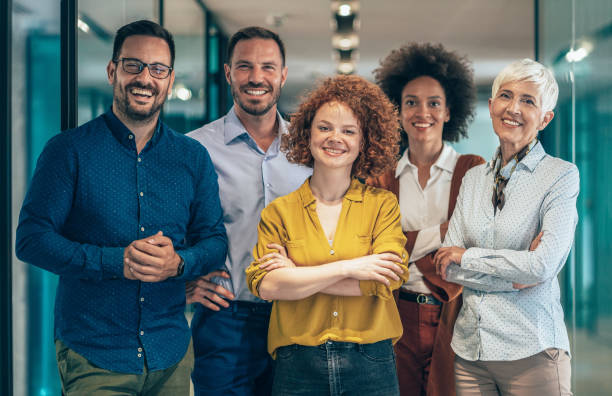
{"type": "Point", "coordinates": [388, 237]}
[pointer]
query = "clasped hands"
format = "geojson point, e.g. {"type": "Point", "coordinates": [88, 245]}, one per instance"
{"type": "Point", "coordinates": [151, 259]}
{"type": "Point", "coordinates": [445, 256]}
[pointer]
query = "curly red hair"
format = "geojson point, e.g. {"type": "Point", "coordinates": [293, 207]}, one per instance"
{"type": "Point", "coordinates": [377, 118]}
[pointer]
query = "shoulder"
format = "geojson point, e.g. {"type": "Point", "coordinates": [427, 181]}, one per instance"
{"type": "Point", "coordinates": [84, 136]}
{"type": "Point", "coordinates": [556, 169]}
{"type": "Point", "coordinates": [378, 197]}
{"type": "Point", "coordinates": [282, 206]}
{"type": "Point", "coordinates": [208, 132]}
{"type": "Point", "coordinates": [469, 160]}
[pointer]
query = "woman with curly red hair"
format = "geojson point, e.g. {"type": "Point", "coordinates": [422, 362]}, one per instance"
{"type": "Point", "coordinates": [330, 254]}
{"type": "Point", "coordinates": [435, 93]}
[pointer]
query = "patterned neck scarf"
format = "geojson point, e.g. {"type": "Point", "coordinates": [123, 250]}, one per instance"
{"type": "Point", "coordinates": [500, 182]}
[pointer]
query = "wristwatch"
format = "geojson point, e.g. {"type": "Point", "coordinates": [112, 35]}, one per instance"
{"type": "Point", "coordinates": [180, 269]}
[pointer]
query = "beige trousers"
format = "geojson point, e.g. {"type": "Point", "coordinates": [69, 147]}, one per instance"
{"type": "Point", "coordinates": [547, 373]}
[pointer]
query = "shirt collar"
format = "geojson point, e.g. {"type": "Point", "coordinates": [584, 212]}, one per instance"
{"type": "Point", "coordinates": [123, 134]}
{"type": "Point", "coordinates": [354, 193]}
{"type": "Point", "coordinates": [531, 160]}
{"type": "Point", "coordinates": [444, 161]}
{"type": "Point", "coordinates": [234, 128]}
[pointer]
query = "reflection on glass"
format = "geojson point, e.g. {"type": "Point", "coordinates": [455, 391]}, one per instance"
{"type": "Point", "coordinates": [582, 129]}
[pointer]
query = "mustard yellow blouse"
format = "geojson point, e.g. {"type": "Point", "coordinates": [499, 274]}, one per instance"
{"type": "Point", "coordinates": [369, 223]}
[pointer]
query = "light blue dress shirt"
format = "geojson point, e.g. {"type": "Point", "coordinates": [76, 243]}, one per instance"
{"type": "Point", "coordinates": [496, 321]}
{"type": "Point", "coordinates": [249, 179]}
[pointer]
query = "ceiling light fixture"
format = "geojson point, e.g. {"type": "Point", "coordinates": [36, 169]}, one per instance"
{"type": "Point", "coordinates": [82, 26]}
{"type": "Point", "coordinates": [576, 55]}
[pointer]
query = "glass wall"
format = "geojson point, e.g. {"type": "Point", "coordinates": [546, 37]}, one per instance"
{"type": "Point", "coordinates": [575, 39]}
{"type": "Point", "coordinates": [36, 117]}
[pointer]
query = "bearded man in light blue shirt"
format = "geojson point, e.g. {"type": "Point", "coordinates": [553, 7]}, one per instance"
{"type": "Point", "coordinates": [508, 239]}
{"type": "Point", "coordinates": [230, 325]}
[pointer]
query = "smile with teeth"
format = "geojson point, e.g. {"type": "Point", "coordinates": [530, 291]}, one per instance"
{"type": "Point", "coordinates": [256, 92]}
{"type": "Point", "coordinates": [510, 122]}
{"type": "Point", "coordinates": [141, 92]}
{"type": "Point", "coordinates": [333, 150]}
{"type": "Point", "coordinates": [421, 124]}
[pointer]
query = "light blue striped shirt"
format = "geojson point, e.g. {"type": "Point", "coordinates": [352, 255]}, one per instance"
{"type": "Point", "coordinates": [249, 179]}
{"type": "Point", "coordinates": [498, 322]}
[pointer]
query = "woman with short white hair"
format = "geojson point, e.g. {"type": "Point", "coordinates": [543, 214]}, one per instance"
{"type": "Point", "coordinates": [514, 222]}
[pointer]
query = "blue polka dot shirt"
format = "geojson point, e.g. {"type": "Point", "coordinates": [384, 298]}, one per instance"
{"type": "Point", "coordinates": [91, 195]}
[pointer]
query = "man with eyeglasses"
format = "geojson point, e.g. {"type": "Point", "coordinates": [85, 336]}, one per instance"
{"type": "Point", "coordinates": [230, 325]}
{"type": "Point", "coordinates": [125, 211]}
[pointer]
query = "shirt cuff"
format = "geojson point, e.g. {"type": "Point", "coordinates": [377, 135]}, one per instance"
{"type": "Point", "coordinates": [112, 263]}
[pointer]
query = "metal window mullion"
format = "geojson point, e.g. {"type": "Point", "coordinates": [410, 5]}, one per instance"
{"type": "Point", "coordinates": [69, 65]}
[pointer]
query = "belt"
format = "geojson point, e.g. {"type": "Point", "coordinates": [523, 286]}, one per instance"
{"type": "Point", "coordinates": [254, 307]}
{"type": "Point", "coordinates": [418, 298]}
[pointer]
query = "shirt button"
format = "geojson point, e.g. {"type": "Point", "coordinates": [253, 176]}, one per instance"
{"type": "Point", "coordinates": [140, 355]}
{"type": "Point", "coordinates": [139, 159]}
{"type": "Point", "coordinates": [142, 229]}
{"type": "Point", "coordinates": [141, 332]}
{"type": "Point", "coordinates": [139, 349]}
{"type": "Point", "coordinates": [332, 251]}
{"type": "Point", "coordinates": [130, 137]}
{"type": "Point", "coordinates": [141, 299]}
{"type": "Point", "coordinates": [335, 313]}
{"type": "Point", "coordinates": [141, 194]}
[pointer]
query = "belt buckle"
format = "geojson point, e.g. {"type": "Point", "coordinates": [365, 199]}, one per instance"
{"type": "Point", "coordinates": [422, 299]}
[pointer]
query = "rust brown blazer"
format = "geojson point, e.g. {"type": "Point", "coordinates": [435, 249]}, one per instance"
{"type": "Point", "coordinates": [441, 381]}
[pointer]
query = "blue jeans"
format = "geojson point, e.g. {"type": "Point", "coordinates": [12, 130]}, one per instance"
{"type": "Point", "coordinates": [336, 368]}
{"type": "Point", "coordinates": [230, 350]}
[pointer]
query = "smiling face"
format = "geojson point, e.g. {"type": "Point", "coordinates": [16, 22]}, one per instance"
{"type": "Point", "coordinates": [516, 114]}
{"type": "Point", "coordinates": [139, 97]}
{"type": "Point", "coordinates": [256, 75]}
{"type": "Point", "coordinates": [335, 137]}
{"type": "Point", "coordinates": [424, 110]}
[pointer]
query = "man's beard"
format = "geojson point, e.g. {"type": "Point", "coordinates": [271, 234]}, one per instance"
{"type": "Point", "coordinates": [253, 109]}
{"type": "Point", "coordinates": [124, 107]}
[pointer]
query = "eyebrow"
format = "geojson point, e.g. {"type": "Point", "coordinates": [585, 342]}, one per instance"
{"type": "Point", "coordinates": [344, 126]}
{"type": "Point", "coordinates": [429, 97]}
{"type": "Point", "coordinates": [523, 95]}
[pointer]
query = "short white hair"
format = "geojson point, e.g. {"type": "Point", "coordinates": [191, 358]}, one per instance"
{"type": "Point", "coordinates": [531, 71]}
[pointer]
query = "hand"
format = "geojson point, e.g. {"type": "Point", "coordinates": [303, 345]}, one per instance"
{"type": "Point", "coordinates": [376, 267]}
{"type": "Point", "coordinates": [532, 247]}
{"type": "Point", "coordinates": [272, 261]}
{"type": "Point", "coordinates": [207, 293]}
{"type": "Point", "coordinates": [446, 256]}
{"type": "Point", "coordinates": [151, 259]}
{"type": "Point", "coordinates": [536, 242]}
{"type": "Point", "coordinates": [443, 230]}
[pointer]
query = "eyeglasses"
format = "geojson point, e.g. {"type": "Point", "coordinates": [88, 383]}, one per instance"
{"type": "Point", "coordinates": [135, 66]}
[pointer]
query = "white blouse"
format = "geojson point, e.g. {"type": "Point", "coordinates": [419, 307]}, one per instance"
{"type": "Point", "coordinates": [424, 209]}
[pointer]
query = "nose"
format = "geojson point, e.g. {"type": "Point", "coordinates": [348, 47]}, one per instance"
{"type": "Point", "coordinates": [256, 75]}
{"type": "Point", "coordinates": [514, 106]}
{"type": "Point", "coordinates": [421, 109]}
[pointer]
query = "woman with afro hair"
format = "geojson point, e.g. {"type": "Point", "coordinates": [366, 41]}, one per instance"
{"type": "Point", "coordinates": [330, 254]}
{"type": "Point", "coordinates": [435, 93]}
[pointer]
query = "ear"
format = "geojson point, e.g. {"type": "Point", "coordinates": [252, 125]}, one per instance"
{"type": "Point", "coordinates": [171, 83]}
{"type": "Point", "coordinates": [283, 76]}
{"type": "Point", "coordinates": [548, 116]}
{"type": "Point", "coordinates": [227, 70]}
{"type": "Point", "coordinates": [447, 115]}
{"type": "Point", "coordinates": [111, 69]}
{"type": "Point", "coordinates": [491, 107]}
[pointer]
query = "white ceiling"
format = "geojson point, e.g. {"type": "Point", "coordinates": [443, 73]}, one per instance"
{"type": "Point", "coordinates": [491, 32]}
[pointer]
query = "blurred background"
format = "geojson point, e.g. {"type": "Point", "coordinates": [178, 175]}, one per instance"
{"type": "Point", "coordinates": [55, 53]}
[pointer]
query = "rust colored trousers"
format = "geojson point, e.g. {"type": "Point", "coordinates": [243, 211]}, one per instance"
{"type": "Point", "coordinates": [413, 351]}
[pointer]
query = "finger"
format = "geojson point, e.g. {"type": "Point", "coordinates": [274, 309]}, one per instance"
{"type": "Point", "coordinates": [381, 279]}
{"type": "Point", "coordinates": [390, 257]}
{"type": "Point", "coordinates": [218, 289]}
{"type": "Point", "coordinates": [220, 273]}
{"type": "Point", "coordinates": [281, 249]}
{"type": "Point", "coordinates": [392, 266]}
{"type": "Point", "coordinates": [142, 258]}
{"type": "Point", "coordinates": [145, 270]}
{"type": "Point", "coordinates": [150, 249]}
{"type": "Point", "coordinates": [205, 302]}
{"type": "Point", "coordinates": [216, 299]}
{"type": "Point", "coordinates": [270, 256]}
{"type": "Point", "coordinates": [160, 240]}
{"type": "Point", "coordinates": [388, 273]}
